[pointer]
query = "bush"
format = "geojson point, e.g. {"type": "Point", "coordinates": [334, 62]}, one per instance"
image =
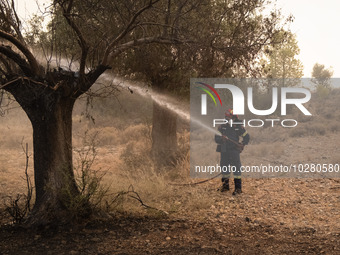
{"type": "Point", "coordinates": [322, 91]}
{"type": "Point", "coordinates": [92, 192]}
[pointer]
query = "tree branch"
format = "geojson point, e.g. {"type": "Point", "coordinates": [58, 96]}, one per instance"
{"type": "Point", "coordinates": [127, 29]}
{"type": "Point", "coordinates": [167, 18]}
{"type": "Point", "coordinates": [31, 59]}
{"type": "Point", "coordinates": [81, 40]}
{"type": "Point", "coordinates": [91, 77]}
{"type": "Point", "coordinates": [9, 17]}
{"type": "Point", "coordinates": [146, 40]}
{"type": "Point", "coordinates": [6, 65]}
{"type": "Point", "coordinates": [9, 53]}
{"type": "Point", "coordinates": [17, 20]}
{"type": "Point", "coordinates": [9, 83]}
{"type": "Point", "coordinates": [22, 79]}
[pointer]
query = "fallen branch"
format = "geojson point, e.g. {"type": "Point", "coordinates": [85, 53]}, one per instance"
{"type": "Point", "coordinates": [136, 196]}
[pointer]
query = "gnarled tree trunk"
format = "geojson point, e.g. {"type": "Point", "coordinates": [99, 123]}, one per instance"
{"type": "Point", "coordinates": [48, 103]}
{"type": "Point", "coordinates": [51, 118]}
{"type": "Point", "coordinates": [52, 141]}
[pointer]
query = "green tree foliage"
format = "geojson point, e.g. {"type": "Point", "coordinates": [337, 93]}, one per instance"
{"type": "Point", "coordinates": [280, 60]}
{"type": "Point", "coordinates": [236, 32]}
{"type": "Point", "coordinates": [321, 76]}
{"type": "Point", "coordinates": [225, 39]}
{"type": "Point", "coordinates": [221, 38]}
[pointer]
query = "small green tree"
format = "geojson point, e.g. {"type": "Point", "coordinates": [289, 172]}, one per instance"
{"type": "Point", "coordinates": [321, 76]}
{"type": "Point", "coordinates": [280, 61]}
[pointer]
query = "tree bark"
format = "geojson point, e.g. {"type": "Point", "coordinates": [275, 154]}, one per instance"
{"type": "Point", "coordinates": [48, 104]}
{"type": "Point", "coordinates": [53, 170]}
{"type": "Point", "coordinates": [164, 135]}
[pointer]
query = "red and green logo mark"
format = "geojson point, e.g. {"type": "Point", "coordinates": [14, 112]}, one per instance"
{"type": "Point", "coordinates": [209, 93]}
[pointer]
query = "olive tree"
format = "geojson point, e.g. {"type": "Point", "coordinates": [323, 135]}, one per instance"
{"type": "Point", "coordinates": [227, 38]}
{"type": "Point", "coordinates": [101, 31]}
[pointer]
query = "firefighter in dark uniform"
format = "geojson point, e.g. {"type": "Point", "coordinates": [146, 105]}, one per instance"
{"type": "Point", "coordinates": [230, 148]}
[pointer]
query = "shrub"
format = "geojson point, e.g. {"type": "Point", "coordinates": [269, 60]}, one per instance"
{"type": "Point", "coordinates": [322, 91]}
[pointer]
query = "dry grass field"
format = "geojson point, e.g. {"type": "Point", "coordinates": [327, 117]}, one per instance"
{"type": "Point", "coordinates": [272, 216]}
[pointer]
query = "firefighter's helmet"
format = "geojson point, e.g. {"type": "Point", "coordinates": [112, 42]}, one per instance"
{"type": "Point", "coordinates": [229, 114]}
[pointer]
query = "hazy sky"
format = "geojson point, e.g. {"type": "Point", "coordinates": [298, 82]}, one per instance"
{"type": "Point", "coordinates": [317, 25]}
